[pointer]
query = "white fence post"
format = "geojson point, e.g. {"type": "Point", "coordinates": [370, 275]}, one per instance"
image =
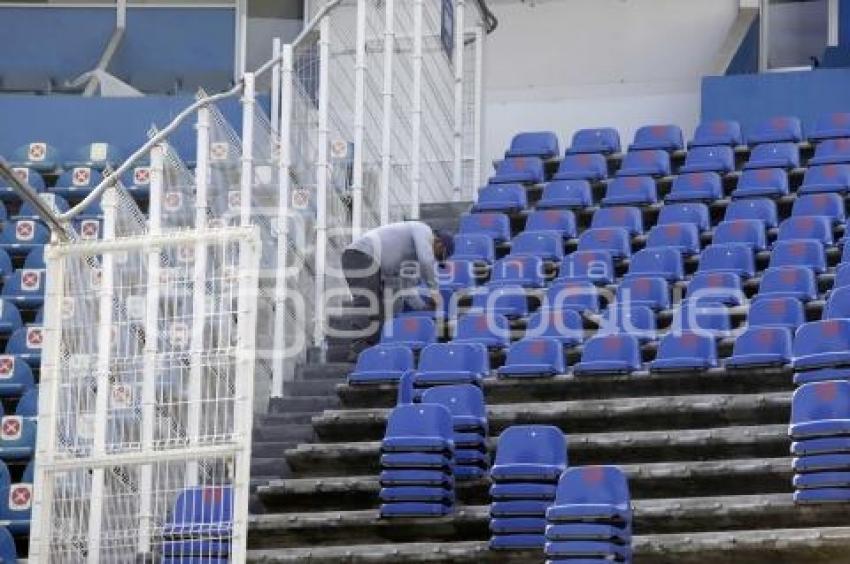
{"type": "Point", "coordinates": [274, 117]}
{"type": "Point", "coordinates": [387, 121]}
{"type": "Point", "coordinates": [416, 111]}
{"type": "Point", "coordinates": [322, 183]}
{"type": "Point", "coordinates": [479, 110]}
{"type": "Point", "coordinates": [359, 120]}
{"type": "Point", "coordinates": [247, 177]}
{"type": "Point", "coordinates": [457, 176]}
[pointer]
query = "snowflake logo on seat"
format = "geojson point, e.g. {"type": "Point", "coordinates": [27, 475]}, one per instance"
{"type": "Point", "coordinates": [718, 127]}
{"type": "Point", "coordinates": [173, 201]}
{"type": "Point", "coordinates": [7, 366]}
{"type": "Point", "coordinates": [20, 497]}
{"type": "Point", "coordinates": [765, 338]}
{"type": "Point", "coordinates": [537, 348]}
{"type": "Point", "coordinates": [592, 474]}
{"type": "Point", "coordinates": [11, 428]}
{"type": "Point", "coordinates": [218, 151]}
{"type": "Point", "coordinates": [23, 174]}
{"type": "Point", "coordinates": [788, 276]}
{"type": "Point", "coordinates": [81, 176]}
{"type": "Point", "coordinates": [89, 229]}
{"type": "Point", "coordinates": [831, 328]}
{"type": "Point", "coordinates": [30, 280]}
{"type": "Point", "coordinates": [35, 337]}
{"type": "Point", "coordinates": [779, 122]}
{"type": "Point", "coordinates": [142, 176]}
{"type": "Point", "coordinates": [37, 151]}
{"type": "Point", "coordinates": [24, 230]}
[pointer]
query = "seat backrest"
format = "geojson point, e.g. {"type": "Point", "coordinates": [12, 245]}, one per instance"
{"type": "Point", "coordinates": [642, 162]}
{"type": "Point", "coordinates": [511, 194]}
{"type": "Point", "coordinates": [495, 225]}
{"type": "Point", "coordinates": [566, 193]}
{"type": "Point", "coordinates": [728, 258]}
{"type": "Point", "coordinates": [594, 485]}
{"type": "Point", "coordinates": [38, 155]}
{"type": "Point", "coordinates": [519, 169]}
{"type": "Point", "coordinates": [475, 246]}
{"type": "Point", "coordinates": [827, 205]}
{"type": "Point", "coordinates": [82, 178]}
{"type": "Point", "coordinates": [24, 231]}
{"type": "Point", "coordinates": [617, 346]}
{"type": "Point", "coordinates": [573, 294]}
{"type": "Point", "coordinates": [532, 444]}
{"type": "Point", "coordinates": [557, 323]}
{"type": "Point", "coordinates": [460, 400]}
{"type": "Point", "coordinates": [479, 325]}
{"type": "Point", "coordinates": [8, 552]}
{"type": "Point", "coordinates": [783, 279]}
{"type": "Point", "coordinates": [590, 166]}
{"type": "Point", "coordinates": [749, 232]}
{"type": "Point", "coordinates": [536, 350]}
{"type": "Point", "coordinates": [837, 175]}
{"type": "Point", "coordinates": [615, 240]}
{"type": "Point", "coordinates": [687, 344]}
{"type": "Point", "coordinates": [418, 329]}
{"type": "Point", "coordinates": [28, 404]}
{"type": "Point", "coordinates": [35, 259]}
{"type": "Point", "coordinates": [604, 140]}
{"type": "Point", "coordinates": [543, 144]}
{"type": "Point", "coordinates": [419, 420]}
{"type": "Point", "coordinates": [546, 244]}
{"type": "Point", "coordinates": [711, 286]}
{"type": "Point", "coordinates": [691, 212]}
{"type": "Point", "coordinates": [644, 289]}
{"type": "Point", "coordinates": [467, 357]}
{"type": "Point", "coordinates": [758, 340]}
{"type": "Point", "coordinates": [456, 272]}
{"type": "Point", "coordinates": [658, 260]}
{"type": "Point", "coordinates": [708, 319]}
{"type": "Point", "coordinates": [776, 129]}
{"type": "Point", "coordinates": [776, 312]}
{"type": "Point", "coordinates": [720, 158]}
{"type": "Point", "coordinates": [706, 184]}
{"type": "Point", "coordinates": [799, 253]}
{"type": "Point", "coordinates": [24, 282]}
{"type": "Point", "coordinates": [666, 137]}
{"type": "Point", "coordinates": [633, 320]}
{"type": "Point", "coordinates": [385, 357]}
{"type": "Point", "coordinates": [816, 337]}
{"type": "Point", "coordinates": [9, 313]}
{"type": "Point", "coordinates": [774, 155]}
{"type": "Point", "coordinates": [639, 188]}
{"type": "Point", "coordinates": [842, 275]}
{"type": "Point", "coordinates": [682, 236]}
{"type": "Point", "coordinates": [526, 269]}
{"type": "Point", "coordinates": [626, 217]}
{"type": "Point", "coordinates": [830, 126]}
{"type": "Point", "coordinates": [838, 304]}
{"type": "Point", "coordinates": [755, 208]}
{"type": "Point", "coordinates": [718, 132]}
{"type": "Point", "coordinates": [562, 221]}
{"type": "Point", "coordinates": [806, 227]}
{"type": "Point", "coordinates": [596, 266]}
{"type": "Point", "coordinates": [200, 507]}
{"type": "Point", "coordinates": [821, 401]}
{"type": "Point", "coordinates": [512, 298]}
{"type": "Point", "coordinates": [773, 178]}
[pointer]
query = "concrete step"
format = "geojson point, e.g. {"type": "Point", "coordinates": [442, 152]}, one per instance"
{"type": "Point", "coordinates": [302, 404]}
{"type": "Point", "coordinates": [312, 387]}
{"type": "Point", "coordinates": [500, 390]}
{"type": "Point", "coordinates": [657, 480]}
{"type": "Point", "coordinates": [269, 468]}
{"type": "Point", "coordinates": [822, 545]}
{"type": "Point", "coordinates": [582, 416]}
{"type": "Point", "coordinates": [292, 432]}
{"type": "Point", "coordinates": [656, 516]}
{"type": "Point", "coordinates": [275, 419]}
{"type": "Point", "coordinates": [338, 370]}
{"type": "Point", "coordinates": [622, 447]}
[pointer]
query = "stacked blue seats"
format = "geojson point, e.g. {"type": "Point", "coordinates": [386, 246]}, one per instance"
{"type": "Point", "coordinates": [696, 187]}
{"type": "Point", "coordinates": [25, 288]}
{"type": "Point", "coordinates": [774, 155]}
{"type": "Point", "coordinates": [822, 351]}
{"type": "Point", "coordinates": [534, 357]}
{"type": "Point", "coordinates": [749, 232]}
{"type": "Point", "coordinates": [583, 166]}
{"type": "Point", "coordinates": [820, 429]}
{"type": "Point", "coordinates": [838, 304]}
{"type": "Point", "coordinates": [382, 363]}
{"type": "Point", "coordinates": [578, 295]}
{"type": "Point", "coordinates": [807, 227]}
{"type": "Point", "coordinates": [559, 221]}
{"type": "Point", "coordinates": [613, 240]}
{"type": "Point", "coordinates": [806, 253]}
{"type": "Point", "coordinates": [756, 208]}
{"type": "Point", "coordinates": [718, 132]}
{"type": "Point", "coordinates": [529, 462]}
{"type": "Point", "coordinates": [413, 332]}
{"type": "Point", "coordinates": [636, 320]}
{"type": "Point", "coordinates": [16, 377]}
{"type": "Point", "coordinates": [609, 354]}
{"type": "Point", "coordinates": [831, 151]}
{"type": "Point", "coordinates": [627, 217]}
{"type": "Point", "coordinates": [18, 431]}
{"type": "Point", "coordinates": [525, 270]}
{"type": "Point", "coordinates": [16, 504]}
{"type": "Point", "coordinates": [510, 301]}
{"type": "Point", "coordinates": [545, 245]}
{"type": "Point", "coordinates": [761, 347]}
{"type": "Point", "coordinates": [631, 191]}
{"type": "Point", "coordinates": [26, 175]}
{"type": "Point", "coordinates": [645, 163]}
{"type": "Point", "coordinates": [563, 325]}
{"type": "Point", "coordinates": [683, 237]}
{"type": "Point", "coordinates": [492, 331]}
{"type": "Point", "coordinates": [543, 144]}
{"type": "Point", "coordinates": [38, 156]}
{"type": "Point", "coordinates": [688, 212]}
{"type": "Point", "coordinates": [452, 363]}
{"type": "Point", "coordinates": [685, 351]}
{"type": "Point", "coordinates": [709, 159]}
{"type": "Point", "coordinates": [497, 226]}
{"type": "Point", "coordinates": [566, 194]}
{"type": "Point", "coordinates": [20, 237]}
{"type": "Point", "coordinates": [796, 282]}
{"type": "Point", "coordinates": [417, 462]}
{"type": "Point", "coordinates": [827, 178]}
{"type": "Point", "coordinates": [716, 287]}
{"type": "Point", "coordinates": [830, 126]}
{"type": "Point", "coordinates": [522, 170]}
{"type": "Point", "coordinates": [604, 140]}
{"type": "Point", "coordinates": [507, 198]}
{"type": "Point", "coordinates": [199, 526]}
{"type": "Point", "coordinates": [824, 205]}
{"type": "Point", "coordinates": [469, 422]}
{"type": "Point", "coordinates": [776, 130]}
{"type": "Point", "coordinates": [476, 247]}
{"type": "Point", "coordinates": [647, 291]}
{"type": "Point", "coordinates": [664, 137]}
{"type": "Point", "coordinates": [591, 519]}
{"type": "Point", "coordinates": [77, 183]}
{"type": "Point", "coordinates": [762, 183]}
{"type": "Point", "coordinates": [97, 156]}
{"type": "Point", "coordinates": [766, 311]}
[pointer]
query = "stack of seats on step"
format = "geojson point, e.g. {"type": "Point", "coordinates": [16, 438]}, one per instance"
{"type": "Point", "coordinates": [417, 462]}
{"type": "Point", "coordinates": [820, 429]}
{"type": "Point", "coordinates": [529, 462]}
{"type": "Point", "coordinates": [591, 520]}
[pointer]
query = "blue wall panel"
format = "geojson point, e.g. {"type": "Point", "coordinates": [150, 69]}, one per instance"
{"type": "Point", "coordinates": [751, 98]}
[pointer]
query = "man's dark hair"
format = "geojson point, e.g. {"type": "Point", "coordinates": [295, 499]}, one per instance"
{"type": "Point", "coordinates": [448, 241]}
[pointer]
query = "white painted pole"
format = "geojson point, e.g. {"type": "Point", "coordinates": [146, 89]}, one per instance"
{"type": "Point", "coordinates": [284, 181]}
{"type": "Point", "coordinates": [387, 119]}
{"type": "Point", "coordinates": [121, 14]}
{"type": "Point", "coordinates": [322, 183]}
{"type": "Point", "coordinates": [457, 176]}
{"type": "Point", "coordinates": [833, 23]}
{"type": "Point", "coordinates": [416, 112]}
{"type": "Point", "coordinates": [359, 120]}
{"type": "Point", "coordinates": [764, 35]}
{"type": "Point", "coordinates": [479, 109]}
{"type": "Point", "coordinates": [274, 118]}
{"type": "Point", "coordinates": [247, 179]}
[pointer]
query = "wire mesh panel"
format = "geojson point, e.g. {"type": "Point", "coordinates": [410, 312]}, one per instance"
{"type": "Point", "coordinates": [145, 421]}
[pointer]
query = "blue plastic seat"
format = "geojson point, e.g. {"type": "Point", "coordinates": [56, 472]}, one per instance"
{"type": "Point", "coordinates": [683, 237]}
{"type": "Point", "coordinates": [16, 507]}
{"type": "Point", "coordinates": [564, 325]}
{"type": "Point", "coordinates": [626, 217]}
{"type": "Point", "coordinates": [822, 495]}
{"type": "Point", "coordinates": [689, 212]}
{"type": "Point", "coordinates": [543, 144]}
{"type": "Point", "coordinates": [776, 130]}
{"type": "Point", "coordinates": [826, 205]}
{"type": "Point", "coordinates": [588, 531]}
{"type": "Point", "coordinates": [831, 151]}
{"type": "Point", "coordinates": [382, 363]}
{"type": "Point", "coordinates": [25, 288]}
{"type": "Point", "coordinates": [820, 409]}
{"type": "Point", "coordinates": [842, 276]}
{"type": "Point", "coordinates": [510, 301]}
{"type": "Point", "coordinates": [538, 356]}
{"type": "Point", "coordinates": [821, 487]}
{"type": "Point", "coordinates": [718, 132]}
{"type": "Point", "coordinates": [761, 347]}
{"type": "Point", "coordinates": [762, 183]}
{"type": "Point", "coordinates": [591, 494]}
{"type": "Point", "coordinates": [645, 163]}
{"type": "Point", "coordinates": [455, 274]}
{"type": "Point", "coordinates": [561, 221]}
{"type": "Point", "coordinates": [524, 270]}
{"type": "Point", "coordinates": [508, 198]}
{"type": "Point", "coordinates": [588, 549]}
{"type": "Point", "coordinates": [644, 290]}
{"type": "Point", "coordinates": [26, 343]}
{"type": "Point", "coordinates": [20, 237]}
{"type": "Point", "coordinates": [524, 170]}
{"type": "Point", "coordinates": [768, 311]}
{"type": "Point", "coordinates": [774, 155]}
{"type": "Point", "coordinates": [749, 232]}
{"type": "Point", "coordinates": [56, 203]}
{"type": "Point", "coordinates": [566, 194]}
{"type": "Point", "coordinates": [543, 245]}
{"type": "Point", "coordinates": [412, 332]}
{"type": "Point", "coordinates": [685, 351]}
{"type": "Point", "coordinates": [8, 552]}
{"type": "Point", "coordinates": [605, 140]}
{"type": "Point", "coordinates": [465, 403]}
{"type": "Point", "coordinates": [205, 513]}
{"type": "Point", "coordinates": [825, 445]}
{"type": "Point", "coordinates": [497, 226]}
{"type": "Point", "coordinates": [738, 259]}
{"type": "Point", "coordinates": [831, 126]}
{"type": "Point", "coordinates": [474, 247]}
{"type": "Point", "coordinates": [595, 266]}
{"type": "Point", "coordinates": [826, 178]}
{"type": "Point", "coordinates": [629, 319]}
{"type": "Point", "coordinates": [535, 453]}
{"type": "Point", "coordinates": [97, 156]}
{"type": "Point", "coordinates": [585, 166]}
{"type": "Point", "coordinates": [757, 208]}
{"type": "Point", "coordinates": [38, 156]}
{"type": "Point", "coordinates": [613, 240]}
{"type": "Point", "coordinates": [657, 261]}
{"type": "Point", "coordinates": [609, 354]}
{"type": "Point", "coordinates": [507, 491]}
{"type": "Point", "coordinates": [705, 319]}
{"type": "Point", "coordinates": [16, 376]}
{"type": "Point", "coordinates": [421, 427]}
{"type": "Point", "coordinates": [716, 287]}
{"type": "Point", "coordinates": [664, 137]}
{"type": "Point", "coordinates": [709, 159]}
{"type": "Point", "coordinates": [77, 182]}
{"type": "Point", "coordinates": [799, 253]}
{"type": "Point", "coordinates": [31, 177]}
{"type": "Point", "coordinates": [579, 295]}
{"type": "Point", "coordinates": [696, 187]}
{"type": "Point", "coordinates": [137, 181]}
{"type": "Point", "coordinates": [10, 317]}
{"type": "Point", "coordinates": [807, 227]}
{"type": "Point", "coordinates": [797, 282]}
{"type": "Point", "coordinates": [492, 331]}
{"type": "Point", "coordinates": [631, 191]}
{"type": "Point", "coordinates": [822, 344]}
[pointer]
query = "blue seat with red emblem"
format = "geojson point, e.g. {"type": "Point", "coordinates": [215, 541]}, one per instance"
{"type": "Point", "coordinates": [718, 132]}
{"type": "Point", "coordinates": [768, 311]}
{"type": "Point", "coordinates": [565, 194]}
{"type": "Point", "coordinates": [774, 155]}
{"type": "Point", "coordinates": [709, 159]}
{"type": "Point", "coordinates": [534, 356]}
{"type": "Point", "coordinates": [683, 237]}
{"type": "Point", "coordinates": [595, 266]}
{"type": "Point", "coordinates": [777, 129]}
{"type": "Point", "coordinates": [613, 240]}
{"type": "Point", "coordinates": [688, 212]}
{"type": "Point", "coordinates": [762, 183]}
{"type": "Point", "coordinates": [631, 190]}
{"type": "Point", "coordinates": [605, 140]}
{"type": "Point", "coordinates": [412, 332]}
{"type": "Point", "coordinates": [524, 170]}
{"type": "Point", "coordinates": [645, 163]}
{"type": "Point", "coordinates": [382, 363]}
{"type": "Point", "coordinates": [831, 126]}
{"type": "Point", "coordinates": [560, 221]}
{"type": "Point", "coordinates": [543, 144]}
{"type": "Point", "coordinates": [626, 217]}
{"type": "Point", "coordinates": [508, 198]}
{"type": "Point", "coordinates": [492, 331]}
{"type": "Point", "coordinates": [696, 187]}
{"type": "Point", "coordinates": [756, 208]}
{"type": "Point", "coordinates": [831, 151]}
{"type": "Point", "coordinates": [497, 226]}
{"type": "Point", "coordinates": [644, 290]}
{"type": "Point", "coordinates": [826, 178]}
{"type": "Point", "coordinates": [609, 354]}
{"type": "Point", "coordinates": [749, 232]}
{"type": "Point", "coordinates": [584, 166]}
{"type": "Point", "coordinates": [525, 271]}
{"type": "Point", "coordinates": [761, 347]}
{"type": "Point", "coordinates": [665, 137]}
